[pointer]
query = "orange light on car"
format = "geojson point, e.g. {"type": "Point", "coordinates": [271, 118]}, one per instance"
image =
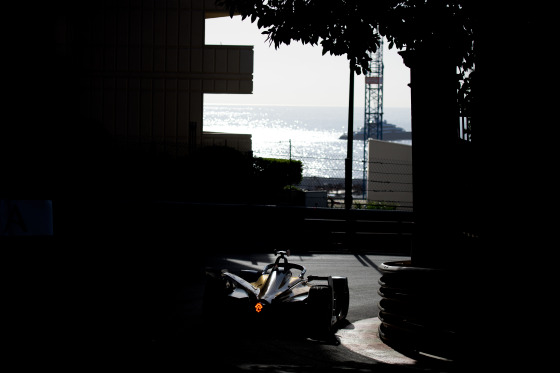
{"type": "Point", "coordinates": [258, 307]}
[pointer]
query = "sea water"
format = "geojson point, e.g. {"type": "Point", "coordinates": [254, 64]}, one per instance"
{"type": "Point", "coordinates": [308, 134]}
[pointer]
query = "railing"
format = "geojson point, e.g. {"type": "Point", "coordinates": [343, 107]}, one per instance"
{"type": "Point", "coordinates": [261, 228]}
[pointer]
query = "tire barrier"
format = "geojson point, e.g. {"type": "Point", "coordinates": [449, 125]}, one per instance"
{"type": "Point", "coordinates": [420, 310]}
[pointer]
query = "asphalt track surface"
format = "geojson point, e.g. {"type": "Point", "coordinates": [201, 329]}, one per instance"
{"type": "Point", "coordinates": [277, 350]}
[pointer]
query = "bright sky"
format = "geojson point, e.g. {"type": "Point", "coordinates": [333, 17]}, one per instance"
{"type": "Point", "coordinates": [299, 74]}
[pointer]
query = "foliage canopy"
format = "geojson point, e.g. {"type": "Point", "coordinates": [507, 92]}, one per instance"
{"type": "Point", "coordinates": [355, 27]}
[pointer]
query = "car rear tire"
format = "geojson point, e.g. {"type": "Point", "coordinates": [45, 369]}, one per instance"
{"type": "Point", "coordinates": [320, 308]}
{"type": "Point", "coordinates": [341, 296]}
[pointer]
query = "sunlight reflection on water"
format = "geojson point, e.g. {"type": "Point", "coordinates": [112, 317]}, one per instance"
{"type": "Point", "coordinates": [307, 134]}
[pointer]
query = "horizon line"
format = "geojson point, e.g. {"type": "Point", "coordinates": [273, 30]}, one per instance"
{"type": "Point", "coordinates": [296, 105]}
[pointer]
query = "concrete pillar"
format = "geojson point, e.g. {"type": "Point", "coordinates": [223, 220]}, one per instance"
{"type": "Point", "coordinates": [434, 138]}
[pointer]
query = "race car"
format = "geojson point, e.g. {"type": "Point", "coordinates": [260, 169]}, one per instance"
{"type": "Point", "coordinates": [314, 305]}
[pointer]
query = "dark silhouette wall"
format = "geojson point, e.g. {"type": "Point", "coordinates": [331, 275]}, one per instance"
{"type": "Point", "coordinates": [86, 80]}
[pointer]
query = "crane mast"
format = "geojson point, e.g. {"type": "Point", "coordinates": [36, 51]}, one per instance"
{"type": "Point", "coordinates": [373, 108]}
{"type": "Point", "coordinates": [373, 116]}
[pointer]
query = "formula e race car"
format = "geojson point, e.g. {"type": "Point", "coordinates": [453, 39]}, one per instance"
{"type": "Point", "coordinates": [315, 305]}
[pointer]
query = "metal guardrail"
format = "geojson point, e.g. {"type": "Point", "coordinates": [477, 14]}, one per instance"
{"type": "Point", "coordinates": [367, 230]}
{"type": "Point", "coordinates": [264, 228]}
{"type": "Point", "coordinates": [207, 227]}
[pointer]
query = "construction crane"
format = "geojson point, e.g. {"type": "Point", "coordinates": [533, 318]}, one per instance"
{"type": "Point", "coordinates": [373, 108]}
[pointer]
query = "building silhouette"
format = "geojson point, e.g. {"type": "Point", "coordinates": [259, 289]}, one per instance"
{"type": "Point", "coordinates": [140, 69]}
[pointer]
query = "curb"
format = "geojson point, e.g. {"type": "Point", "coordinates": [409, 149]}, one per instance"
{"type": "Point", "coordinates": [362, 337]}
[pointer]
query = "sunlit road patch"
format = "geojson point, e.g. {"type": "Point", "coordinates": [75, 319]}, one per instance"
{"type": "Point", "coordinates": [362, 337]}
